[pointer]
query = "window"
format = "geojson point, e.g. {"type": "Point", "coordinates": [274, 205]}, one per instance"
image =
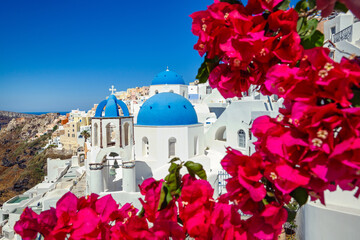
{"type": "Point", "coordinates": [73, 135]}
{"type": "Point", "coordinates": [221, 134]}
{"type": "Point", "coordinates": [156, 91]}
{"type": "Point", "coordinates": [145, 147]}
{"type": "Point", "coordinates": [127, 135]}
{"type": "Point", "coordinates": [95, 134]}
{"type": "Point", "coordinates": [172, 142]}
{"type": "Point", "coordinates": [196, 146]}
{"type": "Point", "coordinates": [110, 134]}
{"type": "Point", "coordinates": [241, 137]}
{"type": "Point", "coordinates": [333, 30]}
{"type": "Point", "coordinates": [68, 134]}
{"type": "Point", "coordinates": [171, 91]}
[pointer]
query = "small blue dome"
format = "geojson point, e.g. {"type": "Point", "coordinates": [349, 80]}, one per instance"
{"type": "Point", "coordinates": [165, 109]}
{"type": "Point", "coordinates": [167, 77]}
{"type": "Point", "coordinates": [111, 108]}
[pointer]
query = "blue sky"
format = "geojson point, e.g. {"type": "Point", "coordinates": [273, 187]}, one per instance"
{"type": "Point", "coordinates": [58, 55]}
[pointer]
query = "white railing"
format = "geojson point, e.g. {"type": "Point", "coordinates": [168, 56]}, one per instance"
{"type": "Point", "coordinates": [345, 34]}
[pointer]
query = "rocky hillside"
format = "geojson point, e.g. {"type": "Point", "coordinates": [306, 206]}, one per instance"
{"type": "Point", "coordinates": [22, 161]}
{"type": "Point", "coordinates": [5, 117]}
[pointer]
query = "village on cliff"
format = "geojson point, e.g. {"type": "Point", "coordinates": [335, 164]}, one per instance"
{"type": "Point", "coordinates": [132, 135]}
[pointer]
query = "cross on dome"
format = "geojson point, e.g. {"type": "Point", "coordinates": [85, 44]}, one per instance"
{"type": "Point", "coordinates": [167, 68]}
{"type": "Point", "coordinates": [112, 89]}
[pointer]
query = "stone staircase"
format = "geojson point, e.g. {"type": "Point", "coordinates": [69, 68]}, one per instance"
{"type": "Point", "coordinates": [80, 187]}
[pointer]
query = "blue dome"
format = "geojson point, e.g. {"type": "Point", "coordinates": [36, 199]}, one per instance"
{"type": "Point", "coordinates": [167, 77]}
{"type": "Point", "coordinates": [165, 109]}
{"type": "Point", "coordinates": [111, 108]}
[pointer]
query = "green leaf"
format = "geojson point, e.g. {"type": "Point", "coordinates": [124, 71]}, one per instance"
{"type": "Point", "coordinates": [291, 214]}
{"type": "Point", "coordinates": [302, 6]}
{"type": "Point", "coordinates": [203, 73]}
{"type": "Point", "coordinates": [314, 40]}
{"type": "Point", "coordinates": [306, 27]}
{"type": "Point", "coordinates": [206, 67]}
{"type": "Point", "coordinates": [284, 5]}
{"type": "Point", "coordinates": [300, 195]}
{"type": "Point", "coordinates": [312, 3]}
{"type": "Point", "coordinates": [356, 99]}
{"type": "Point", "coordinates": [142, 212]}
{"type": "Point", "coordinates": [162, 200]}
{"type": "Point", "coordinates": [195, 169]}
{"type": "Point", "coordinates": [173, 179]}
{"type": "Point", "coordinates": [340, 7]}
{"type": "Point", "coordinates": [300, 24]}
{"type": "Point", "coordinates": [174, 160]}
{"type": "Point", "coordinates": [165, 196]}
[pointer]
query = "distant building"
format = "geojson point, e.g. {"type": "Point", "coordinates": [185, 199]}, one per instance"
{"type": "Point", "coordinates": [343, 30]}
{"type": "Point", "coordinates": [69, 139]}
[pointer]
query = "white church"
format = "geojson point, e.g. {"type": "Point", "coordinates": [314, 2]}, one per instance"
{"type": "Point", "coordinates": [127, 149]}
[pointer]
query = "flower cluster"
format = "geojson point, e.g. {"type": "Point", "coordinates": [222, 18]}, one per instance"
{"type": "Point", "coordinates": [313, 144]}
{"type": "Point", "coordinates": [315, 138]}
{"type": "Point", "coordinates": [245, 42]}
{"type": "Point", "coordinates": [100, 218]}
{"type": "Point", "coordinates": [249, 195]}
{"type": "Point", "coordinates": [96, 218]}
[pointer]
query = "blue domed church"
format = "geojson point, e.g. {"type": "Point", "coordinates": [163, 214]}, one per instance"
{"type": "Point", "coordinates": [112, 139]}
{"type": "Point", "coordinates": [168, 81]}
{"type": "Point", "coordinates": [167, 126]}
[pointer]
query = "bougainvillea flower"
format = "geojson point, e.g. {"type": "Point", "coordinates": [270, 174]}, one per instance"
{"type": "Point", "coordinates": [27, 227]}
{"type": "Point", "coordinates": [226, 223]}
{"type": "Point", "coordinates": [286, 178]}
{"type": "Point", "coordinates": [289, 50]}
{"type": "Point", "coordinates": [258, 6]}
{"type": "Point", "coordinates": [151, 189]}
{"type": "Point", "coordinates": [106, 208]}
{"type": "Point", "coordinates": [47, 221]}
{"type": "Point", "coordinates": [326, 6]}
{"type": "Point", "coordinates": [286, 21]}
{"type": "Point", "coordinates": [85, 224]}
{"type": "Point", "coordinates": [268, 224]}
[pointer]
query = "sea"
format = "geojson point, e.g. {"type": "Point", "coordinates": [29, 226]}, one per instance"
{"type": "Point", "coordinates": [40, 113]}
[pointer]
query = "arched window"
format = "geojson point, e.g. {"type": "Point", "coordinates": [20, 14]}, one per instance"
{"type": "Point", "coordinates": [196, 145]}
{"type": "Point", "coordinates": [156, 91]}
{"type": "Point", "coordinates": [221, 134]}
{"type": "Point", "coordinates": [127, 134]}
{"type": "Point", "coordinates": [110, 134]}
{"type": "Point", "coordinates": [172, 142]}
{"type": "Point", "coordinates": [242, 139]}
{"type": "Point", "coordinates": [95, 134]}
{"type": "Point", "coordinates": [145, 146]}
{"type": "Point", "coordinates": [183, 94]}
{"type": "Point", "coordinates": [171, 91]}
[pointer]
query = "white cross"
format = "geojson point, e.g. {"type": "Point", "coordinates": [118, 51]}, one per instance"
{"type": "Point", "coordinates": [112, 89]}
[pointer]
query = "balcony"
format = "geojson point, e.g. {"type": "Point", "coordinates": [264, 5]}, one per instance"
{"type": "Point", "coordinates": [345, 34]}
